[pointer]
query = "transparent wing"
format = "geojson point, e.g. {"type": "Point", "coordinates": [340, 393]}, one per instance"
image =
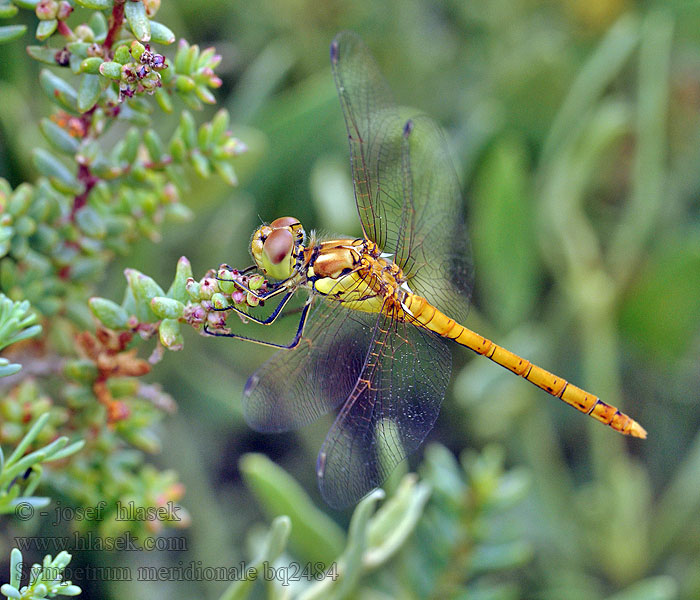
{"type": "Point", "coordinates": [387, 414]}
{"type": "Point", "coordinates": [371, 119]}
{"type": "Point", "coordinates": [406, 189]}
{"type": "Point", "coordinates": [434, 243]}
{"type": "Point", "coordinates": [295, 387]}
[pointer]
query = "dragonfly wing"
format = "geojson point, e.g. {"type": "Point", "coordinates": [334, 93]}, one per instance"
{"type": "Point", "coordinates": [406, 189]}
{"type": "Point", "coordinates": [295, 387]}
{"type": "Point", "coordinates": [387, 414]}
{"type": "Point", "coordinates": [433, 247]}
{"type": "Point", "coordinates": [374, 131]}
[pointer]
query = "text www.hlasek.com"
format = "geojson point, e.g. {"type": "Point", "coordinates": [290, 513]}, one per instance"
{"type": "Point", "coordinates": [77, 542]}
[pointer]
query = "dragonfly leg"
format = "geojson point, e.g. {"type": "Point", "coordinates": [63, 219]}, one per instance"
{"type": "Point", "coordinates": [269, 320]}
{"type": "Point", "coordinates": [294, 343]}
{"type": "Point", "coordinates": [277, 288]}
{"type": "Point", "coordinates": [230, 268]}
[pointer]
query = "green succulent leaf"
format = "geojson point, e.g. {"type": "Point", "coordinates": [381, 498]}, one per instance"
{"type": "Point", "coordinates": [109, 313]}
{"type": "Point", "coordinates": [95, 4]}
{"type": "Point", "coordinates": [167, 308]}
{"type": "Point", "coordinates": [138, 20]}
{"type": "Point", "coordinates": [48, 165]}
{"type": "Point", "coordinates": [7, 11]}
{"type": "Point", "coordinates": [59, 91]}
{"type": "Point", "coordinates": [314, 535]}
{"type": "Point", "coordinates": [46, 29]}
{"type": "Point", "coordinates": [161, 34]}
{"type": "Point", "coordinates": [58, 137]}
{"type": "Point", "coordinates": [7, 368]}
{"type": "Point", "coordinates": [170, 334]}
{"type": "Point", "coordinates": [91, 65]}
{"type": "Point", "coordinates": [9, 33]}
{"type": "Point", "coordinates": [43, 54]}
{"type": "Point", "coordinates": [89, 93]}
{"type": "Point", "coordinates": [26, 4]}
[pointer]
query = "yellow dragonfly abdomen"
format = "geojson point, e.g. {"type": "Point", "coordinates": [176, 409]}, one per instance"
{"type": "Point", "coordinates": [431, 318]}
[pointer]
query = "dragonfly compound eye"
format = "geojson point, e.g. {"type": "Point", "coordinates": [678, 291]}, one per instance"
{"type": "Point", "coordinates": [277, 257]}
{"type": "Point", "coordinates": [278, 245]}
{"type": "Point", "coordinates": [284, 222]}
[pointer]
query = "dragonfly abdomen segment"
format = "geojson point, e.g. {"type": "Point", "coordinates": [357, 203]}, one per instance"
{"type": "Point", "coordinates": [431, 318]}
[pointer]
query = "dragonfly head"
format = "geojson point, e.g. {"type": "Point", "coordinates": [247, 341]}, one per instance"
{"type": "Point", "coordinates": [275, 247]}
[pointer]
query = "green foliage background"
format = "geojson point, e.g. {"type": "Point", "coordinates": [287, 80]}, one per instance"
{"type": "Point", "coordinates": [575, 128]}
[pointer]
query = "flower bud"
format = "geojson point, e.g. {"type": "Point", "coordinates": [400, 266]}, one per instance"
{"type": "Point", "coordinates": [64, 10]}
{"type": "Point", "coordinates": [128, 74]}
{"type": "Point", "coordinates": [219, 301]}
{"type": "Point", "coordinates": [84, 33]}
{"type": "Point", "coordinates": [195, 314]}
{"type": "Point", "coordinates": [151, 7]}
{"type": "Point", "coordinates": [256, 282]}
{"type": "Point", "coordinates": [208, 287]}
{"type": "Point", "coordinates": [216, 320]}
{"type": "Point", "coordinates": [46, 10]}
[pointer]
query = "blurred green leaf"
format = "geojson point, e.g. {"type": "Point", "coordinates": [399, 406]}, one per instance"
{"type": "Point", "coordinates": [503, 235]}
{"type": "Point", "coordinates": [43, 54]}
{"type": "Point", "coordinates": [350, 565]}
{"type": "Point", "coordinates": [679, 502]}
{"type": "Point", "coordinates": [395, 520]}
{"type": "Point", "coordinates": [9, 33]}
{"type": "Point", "coordinates": [649, 194]}
{"type": "Point", "coordinates": [95, 4]}
{"type": "Point", "coordinates": [274, 545]}
{"type": "Point", "coordinates": [497, 557]}
{"type": "Point", "coordinates": [662, 587]}
{"type": "Point", "coordinates": [47, 164]}
{"type": "Point", "coordinates": [7, 10]}
{"type": "Point", "coordinates": [58, 137]}
{"type": "Point", "coordinates": [314, 535]}
{"type": "Point", "coordinates": [154, 145]}
{"type": "Point", "coordinates": [661, 310]}
{"type": "Point", "coordinates": [596, 75]}
{"type": "Point", "coordinates": [45, 29]}
{"type": "Point", "coordinates": [59, 91]}
{"type": "Point", "coordinates": [89, 92]}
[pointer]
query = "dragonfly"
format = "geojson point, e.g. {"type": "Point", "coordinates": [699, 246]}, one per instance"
{"type": "Point", "coordinates": [373, 337]}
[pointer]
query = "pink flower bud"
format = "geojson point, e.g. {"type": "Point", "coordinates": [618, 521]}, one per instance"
{"type": "Point", "coordinates": [47, 10]}
{"type": "Point", "coordinates": [64, 10]}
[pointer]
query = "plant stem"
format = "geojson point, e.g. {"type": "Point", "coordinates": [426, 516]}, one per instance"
{"type": "Point", "coordinates": [115, 23]}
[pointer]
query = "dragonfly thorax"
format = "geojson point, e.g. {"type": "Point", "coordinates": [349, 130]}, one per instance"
{"type": "Point", "coordinates": [277, 248]}
{"type": "Point", "coordinates": [355, 273]}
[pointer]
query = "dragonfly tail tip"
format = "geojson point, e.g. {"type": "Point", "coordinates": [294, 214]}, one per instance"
{"type": "Point", "coordinates": [636, 430]}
